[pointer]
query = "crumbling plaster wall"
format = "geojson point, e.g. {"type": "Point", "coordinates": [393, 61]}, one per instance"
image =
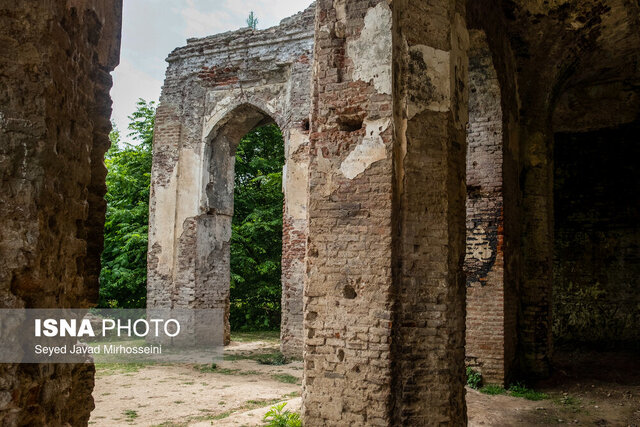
{"type": "Point", "coordinates": [217, 89]}
{"type": "Point", "coordinates": [54, 124]}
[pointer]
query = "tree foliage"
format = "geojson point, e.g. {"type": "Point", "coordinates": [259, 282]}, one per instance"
{"type": "Point", "coordinates": [256, 242]}
{"type": "Point", "coordinates": [123, 277]}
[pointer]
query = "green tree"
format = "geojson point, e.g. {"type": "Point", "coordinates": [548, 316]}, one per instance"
{"type": "Point", "coordinates": [252, 21]}
{"type": "Point", "coordinates": [123, 277]}
{"type": "Point", "coordinates": [256, 242]}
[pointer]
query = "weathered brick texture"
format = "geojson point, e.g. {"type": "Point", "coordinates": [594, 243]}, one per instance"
{"type": "Point", "coordinates": [54, 124]}
{"type": "Point", "coordinates": [431, 100]}
{"type": "Point", "coordinates": [490, 320]}
{"type": "Point", "coordinates": [384, 300]}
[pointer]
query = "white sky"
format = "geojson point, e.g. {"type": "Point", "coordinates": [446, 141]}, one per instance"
{"type": "Point", "coordinates": [153, 28]}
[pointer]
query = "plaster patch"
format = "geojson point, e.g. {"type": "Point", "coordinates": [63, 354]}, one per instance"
{"type": "Point", "coordinates": [325, 167]}
{"type": "Point", "coordinates": [297, 139]}
{"type": "Point", "coordinates": [189, 186]}
{"type": "Point", "coordinates": [164, 208]}
{"type": "Point", "coordinates": [296, 187]}
{"type": "Point", "coordinates": [371, 52]}
{"type": "Point", "coordinates": [479, 247]}
{"type": "Point", "coordinates": [369, 151]}
{"type": "Point", "coordinates": [432, 88]}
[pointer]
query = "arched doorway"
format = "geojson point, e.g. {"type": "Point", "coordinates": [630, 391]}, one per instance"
{"type": "Point", "coordinates": [192, 217]}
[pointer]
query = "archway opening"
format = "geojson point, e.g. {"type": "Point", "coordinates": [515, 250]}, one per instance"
{"type": "Point", "coordinates": [243, 201]}
{"type": "Point", "coordinates": [597, 238]}
{"type": "Point", "coordinates": [256, 238]}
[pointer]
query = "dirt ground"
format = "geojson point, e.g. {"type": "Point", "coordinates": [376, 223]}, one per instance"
{"type": "Point", "coordinates": [595, 389]}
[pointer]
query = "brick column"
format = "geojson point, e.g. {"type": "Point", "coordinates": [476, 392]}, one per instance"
{"type": "Point", "coordinates": [491, 304]}
{"type": "Point", "coordinates": [384, 298]}
{"type": "Point", "coordinates": [431, 115]}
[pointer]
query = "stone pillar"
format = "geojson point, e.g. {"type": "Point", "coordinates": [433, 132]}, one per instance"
{"type": "Point", "coordinates": [384, 298]}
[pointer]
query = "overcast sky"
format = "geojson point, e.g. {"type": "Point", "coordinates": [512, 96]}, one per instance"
{"type": "Point", "coordinates": [153, 28]}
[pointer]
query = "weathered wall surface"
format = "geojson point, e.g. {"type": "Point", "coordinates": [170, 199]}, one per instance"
{"type": "Point", "coordinates": [431, 82]}
{"type": "Point", "coordinates": [216, 90]}
{"type": "Point", "coordinates": [597, 249]}
{"type": "Point", "coordinates": [492, 261]}
{"type": "Point", "coordinates": [384, 298]}
{"type": "Point", "coordinates": [484, 261]}
{"type": "Point", "coordinates": [54, 124]}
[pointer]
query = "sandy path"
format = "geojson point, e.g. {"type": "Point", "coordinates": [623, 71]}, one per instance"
{"type": "Point", "coordinates": [179, 395]}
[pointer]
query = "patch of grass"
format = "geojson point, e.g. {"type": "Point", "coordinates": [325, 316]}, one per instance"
{"type": "Point", "coordinates": [222, 416]}
{"type": "Point", "coordinates": [493, 389]}
{"type": "Point", "coordinates": [269, 336]}
{"type": "Point", "coordinates": [130, 414]}
{"type": "Point", "coordinates": [233, 357]}
{"type": "Point", "coordinates": [247, 406]}
{"type": "Point", "coordinates": [261, 403]}
{"type": "Point", "coordinates": [515, 390]}
{"type": "Point", "coordinates": [179, 402]}
{"type": "Point", "coordinates": [518, 390]}
{"type": "Point", "coordinates": [285, 378]}
{"type": "Point", "coordinates": [276, 358]}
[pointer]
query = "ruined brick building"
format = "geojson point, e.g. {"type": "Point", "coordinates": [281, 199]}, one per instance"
{"type": "Point", "coordinates": [454, 171]}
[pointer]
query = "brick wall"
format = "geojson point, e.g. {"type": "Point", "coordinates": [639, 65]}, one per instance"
{"type": "Point", "coordinates": [347, 297]}
{"type": "Point", "coordinates": [430, 106]}
{"type": "Point", "coordinates": [484, 262]}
